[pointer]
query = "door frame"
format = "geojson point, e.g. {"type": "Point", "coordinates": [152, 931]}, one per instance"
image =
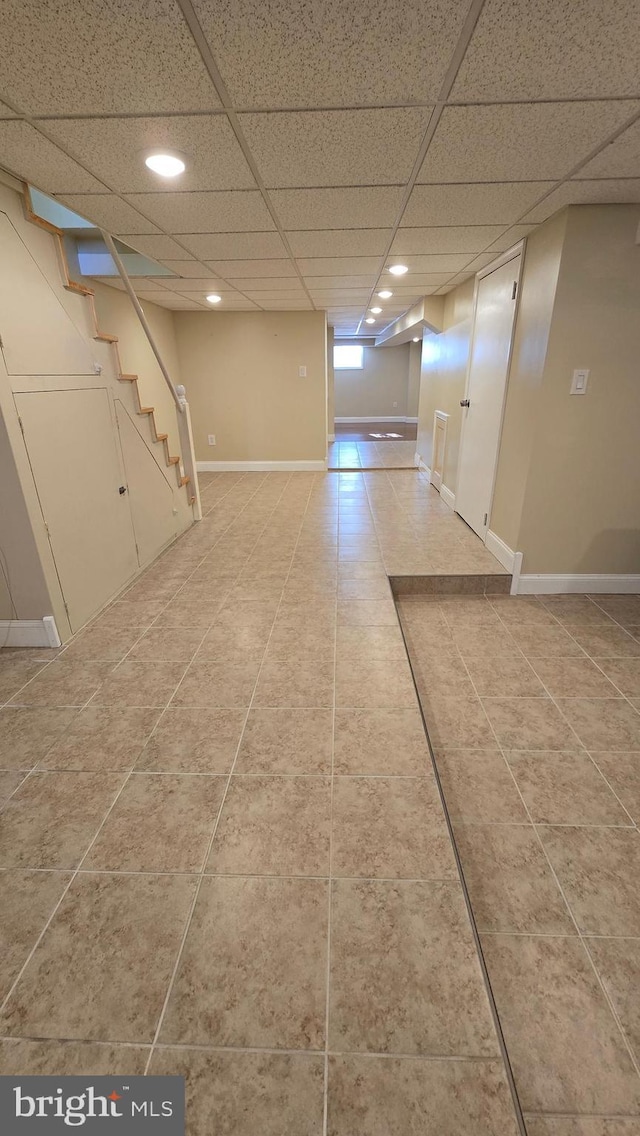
{"type": "Point", "coordinates": [510, 254]}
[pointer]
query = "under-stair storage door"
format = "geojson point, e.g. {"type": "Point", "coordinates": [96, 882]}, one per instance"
{"type": "Point", "coordinates": [71, 441]}
{"type": "Point", "coordinates": [484, 400]}
{"type": "Point", "coordinates": [150, 494]}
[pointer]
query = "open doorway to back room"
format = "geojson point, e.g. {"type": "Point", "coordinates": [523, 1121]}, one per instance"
{"type": "Point", "coordinates": [375, 405]}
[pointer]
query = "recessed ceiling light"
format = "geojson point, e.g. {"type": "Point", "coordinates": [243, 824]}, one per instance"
{"type": "Point", "coordinates": [398, 269]}
{"type": "Point", "coordinates": [370, 320]}
{"type": "Point", "coordinates": [416, 339]}
{"type": "Point", "coordinates": [385, 295]}
{"type": "Point", "coordinates": [376, 311]}
{"type": "Point", "coordinates": [166, 163]}
{"type": "Point", "coordinates": [214, 298]}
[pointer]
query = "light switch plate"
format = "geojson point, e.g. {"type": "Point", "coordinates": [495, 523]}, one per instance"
{"type": "Point", "coordinates": [212, 439]}
{"type": "Point", "coordinates": [302, 372]}
{"type": "Point", "coordinates": [579, 381]}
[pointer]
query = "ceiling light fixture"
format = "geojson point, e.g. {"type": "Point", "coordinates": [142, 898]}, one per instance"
{"type": "Point", "coordinates": [386, 295]}
{"type": "Point", "coordinates": [167, 163]}
{"type": "Point", "coordinates": [213, 298]}
{"type": "Point", "coordinates": [398, 269]}
{"type": "Point", "coordinates": [376, 311]}
{"type": "Point", "coordinates": [416, 339]}
{"type": "Point", "coordinates": [370, 320]}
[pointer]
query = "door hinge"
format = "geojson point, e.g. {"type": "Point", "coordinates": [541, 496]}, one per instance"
{"type": "Point", "coordinates": [514, 291]}
{"type": "Point", "coordinates": [486, 517]}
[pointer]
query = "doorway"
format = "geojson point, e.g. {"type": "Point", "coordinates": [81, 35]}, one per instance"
{"type": "Point", "coordinates": [483, 404]}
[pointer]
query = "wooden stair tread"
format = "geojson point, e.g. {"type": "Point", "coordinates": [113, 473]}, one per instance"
{"type": "Point", "coordinates": [173, 461]}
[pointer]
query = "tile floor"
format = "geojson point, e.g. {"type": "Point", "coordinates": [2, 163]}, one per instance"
{"type": "Point", "coordinates": [223, 853]}
{"type": "Point", "coordinates": [532, 706]}
{"type": "Point", "coordinates": [371, 454]}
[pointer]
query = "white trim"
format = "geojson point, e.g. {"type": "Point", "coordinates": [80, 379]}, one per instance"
{"type": "Point", "coordinates": [29, 632]}
{"type": "Point", "coordinates": [331, 437]}
{"type": "Point", "coordinates": [411, 419]}
{"type": "Point", "coordinates": [448, 497]}
{"type": "Point", "coordinates": [261, 466]}
{"type": "Point", "coordinates": [500, 550]}
{"type": "Point", "coordinates": [534, 584]}
{"type": "Point", "coordinates": [422, 467]}
{"type": "Point", "coordinates": [515, 575]}
{"type": "Point", "coordinates": [385, 418]}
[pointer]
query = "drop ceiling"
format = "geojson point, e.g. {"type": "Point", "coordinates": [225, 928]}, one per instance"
{"type": "Point", "coordinates": [324, 138]}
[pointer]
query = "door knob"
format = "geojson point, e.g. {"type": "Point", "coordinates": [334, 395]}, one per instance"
{"type": "Point", "coordinates": [465, 402]}
{"type": "Point", "coordinates": [122, 489]}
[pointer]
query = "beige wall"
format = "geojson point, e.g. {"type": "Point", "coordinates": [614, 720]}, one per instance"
{"type": "Point", "coordinates": [442, 379]}
{"type": "Point", "coordinates": [23, 590]}
{"type": "Point", "coordinates": [413, 386]}
{"type": "Point", "coordinates": [581, 511]}
{"type": "Point", "coordinates": [331, 386]}
{"type": "Point", "coordinates": [241, 374]}
{"type": "Point", "coordinates": [373, 391]}
{"type": "Point", "coordinates": [117, 316]}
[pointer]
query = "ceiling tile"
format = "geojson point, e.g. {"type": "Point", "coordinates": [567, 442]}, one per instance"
{"type": "Point", "coordinates": [535, 49]}
{"type": "Point", "coordinates": [300, 304]}
{"type": "Point", "coordinates": [173, 301]}
{"type": "Point", "coordinates": [338, 242]}
{"type": "Point", "coordinates": [264, 267]}
{"type": "Point", "coordinates": [520, 141]}
{"type": "Point", "coordinates": [336, 147]}
{"type": "Point", "coordinates": [234, 246]}
{"type": "Point", "coordinates": [319, 282]}
{"type": "Point", "coordinates": [261, 295]}
{"type": "Point", "coordinates": [224, 211]}
{"type": "Point", "coordinates": [446, 239]}
{"type": "Point", "coordinates": [604, 192]}
{"type": "Point", "coordinates": [266, 283]}
{"type": "Point", "coordinates": [330, 208]}
{"type": "Point", "coordinates": [290, 53]}
{"type": "Point", "coordinates": [459, 279]}
{"type": "Point", "coordinates": [480, 262]}
{"type": "Point", "coordinates": [114, 149]}
{"type": "Point", "coordinates": [118, 57]}
{"type": "Point", "coordinates": [160, 248]}
{"type": "Point", "coordinates": [472, 204]}
{"type": "Point", "coordinates": [195, 284]}
{"type": "Point", "coordinates": [6, 112]}
{"type": "Point", "coordinates": [187, 268]}
{"type": "Point", "coordinates": [427, 262]}
{"type": "Point", "coordinates": [32, 157]}
{"type": "Point", "coordinates": [417, 279]}
{"type": "Point", "coordinates": [338, 265]}
{"type": "Point", "coordinates": [109, 212]}
{"type": "Point", "coordinates": [510, 237]}
{"type": "Point", "coordinates": [349, 296]}
{"type": "Point", "coordinates": [619, 159]}
{"type": "Point", "coordinates": [111, 282]}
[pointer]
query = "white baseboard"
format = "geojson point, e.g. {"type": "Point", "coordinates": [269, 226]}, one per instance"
{"type": "Point", "coordinates": [535, 585]}
{"type": "Point", "coordinates": [448, 497]}
{"type": "Point", "coordinates": [386, 418]}
{"type": "Point", "coordinates": [331, 437]}
{"type": "Point", "coordinates": [414, 420]}
{"type": "Point", "coordinates": [261, 466]}
{"type": "Point", "coordinates": [29, 632]}
{"type": "Point", "coordinates": [500, 550]}
{"type": "Point", "coordinates": [515, 574]}
{"type": "Point", "coordinates": [422, 467]}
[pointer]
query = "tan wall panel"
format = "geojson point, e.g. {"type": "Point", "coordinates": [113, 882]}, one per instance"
{"type": "Point", "coordinates": [372, 391]}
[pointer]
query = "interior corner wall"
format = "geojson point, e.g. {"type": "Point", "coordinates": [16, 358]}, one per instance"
{"type": "Point", "coordinates": [23, 589]}
{"type": "Point", "coordinates": [581, 511]}
{"type": "Point", "coordinates": [331, 386]}
{"type": "Point", "coordinates": [117, 316]}
{"type": "Point", "coordinates": [379, 389]}
{"type": "Point", "coordinates": [413, 387]}
{"type": "Point", "coordinates": [443, 373]}
{"type": "Point", "coordinates": [241, 371]}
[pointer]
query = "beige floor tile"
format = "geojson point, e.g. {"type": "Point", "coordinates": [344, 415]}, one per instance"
{"type": "Point", "coordinates": [511, 885]}
{"type": "Point", "coordinates": [567, 678]}
{"type": "Point", "coordinates": [52, 818]}
{"type": "Point", "coordinates": [273, 826]}
{"type": "Point", "coordinates": [64, 684]}
{"type": "Point", "coordinates": [374, 682]}
{"type": "Point", "coordinates": [102, 738]}
{"type": "Point", "coordinates": [282, 683]}
{"type": "Point", "coordinates": [286, 741]}
{"type": "Point", "coordinates": [607, 643]}
{"type": "Point", "coordinates": [390, 827]}
{"type": "Point", "coordinates": [529, 723]}
{"type": "Point", "coordinates": [126, 614]}
{"type": "Point", "coordinates": [376, 1096]}
{"type": "Point", "coordinates": [167, 643]}
{"type": "Point", "coordinates": [366, 613]}
{"type": "Point", "coordinates": [374, 741]}
{"type": "Point", "coordinates": [365, 588]}
{"type": "Point", "coordinates": [485, 643]}
{"type": "Point", "coordinates": [625, 673]}
{"type": "Point", "coordinates": [197, 615]}
{"type": "Point", "coordinates": [15, 675]}
{"type": "Point", "coordinates": [193, 740]}
{"type": "Point", "coordinates": [458, 723]}
{"type": "Point", "coordinates": [27, 733]}
{"type": "Point", "coordinates": [598, 870]}
{"type": "Point", "coordinates": [253, 970]}
{"type": "Point", "coordinates": [567, 1053]}
{"type": "Point", "coordinates": [208, 684]}
{"type": "Point", "coordinates": [99, 642]}
{"type": "Point", "coordinates": [622, 771]}
{"type": "Point", "coordinates": [506, 677]}
{"type": "Point", "coordinates": [624, 609]}
{"type": "Point", "coordinates": [102, 969]}
{"type": "Point", "coordinates": [546, 642]}
{"type": "Point", "coordinates": [10, 779]}
{"type": "Point", "coordinates": [564, 788]}
{"type": "Point", "coordinates": [373, 642]}
{"type": "Point", "coordinates": [231, 1093]}
{"type": "Point", "coordinates": [603, 723]}
{"type": "Point", "coordinates": [70, 1058]}
{"type": "Point", "coordinates": [140, 683]}
{"type": "Point", "coordinates": [404, 972]}
{"type": "Point", "coordinates": [478, 786]}
{"type": "Point", "coordinates": [441, 674]}
{"type": "Point", "coordinates": [26, 901]}
{"type": "Point", "coordinates": [160, 823]}
{"type": "Point", "coordinates": [582, 1126]}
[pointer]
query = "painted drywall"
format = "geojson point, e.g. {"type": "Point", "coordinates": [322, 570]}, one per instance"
{"type": "Point", "coordinates": [117, 316]}
{"type": "Point", "coordinates": [379, 389]}
{"type": "Point", "coordinates": [413, 385]}
{"type": "Point", "coordinates": [241, 374]}
{"type": "Point", "coordinates": [581, 510]}
{"type": "Point", "coordinates": [538, 283]}
{"type": "Point", "coordinates": [331, 386]}
{"type": "Point", "coordinates": [23, 589]}
{"type": "Point", "coordinates": [442, 379]}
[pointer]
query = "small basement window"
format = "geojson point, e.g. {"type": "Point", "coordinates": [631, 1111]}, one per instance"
{"type": "Point", "coordinates": [348, 357]}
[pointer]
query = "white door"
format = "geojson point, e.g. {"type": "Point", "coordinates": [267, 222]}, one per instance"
{"type": "Point", "coordinates": [484, 400]}
{"type": "Point", "coordinates": [72, 446]}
